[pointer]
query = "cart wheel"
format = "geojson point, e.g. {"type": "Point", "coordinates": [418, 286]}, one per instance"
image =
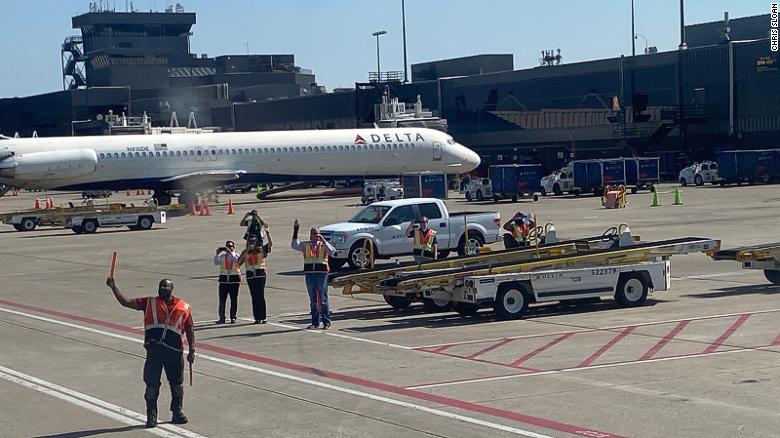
{"type": "Point", "coordinates": [433, 305]}
{"type": "Point", "coordinates": [28, 224]}
{"type": "Point", "coordinates": [466, 309]}
{"type": "Point", "coordinates": [631, 290]}
{"type": "Point", "coordinates": [511, 302]}
{"type": "Point", "coordinates": [536, 197]}
{"type": "Point", "coordinates": [89, 226]}
{"type": "Point", "coordinates": [145, 223]}
{"type": "Point", "coordinates": [397, 303]}
{"type": "Point", "coordinates": [773, 275]}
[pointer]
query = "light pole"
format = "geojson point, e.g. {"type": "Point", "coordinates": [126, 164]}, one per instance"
{"type": "Point", "coordinates": [643, 37]}
{"type": "Point", "coordinates": [378, 70]}
{"type": "Point", "coordinates": [633, 34]}
{"type": "Point", "coordinates": [403, 19]}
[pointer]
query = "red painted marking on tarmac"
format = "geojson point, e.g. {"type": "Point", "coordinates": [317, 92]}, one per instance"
{"type": "Point", "coordinates": [776, 341]}
{"type": "Point", "coordinates": [490, 362]}
{"type": "Point", "coordinates": [729, 331]}
{"type": "Point", "coordinates": [379, 386]}
{"type": "Point", "coordinates": [541, 349]}
{"type": "Point", "coordinates": [592, 358]}
{"type": "Point", "coordinates": [665, 340]}
{"type": "Point", "coordinates": [438, 349]}
{"type": "Point", "coordinates": [490, 348]}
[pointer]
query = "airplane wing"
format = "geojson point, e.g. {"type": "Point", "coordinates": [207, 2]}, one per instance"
{"type": "Point", "coordinates": [206, 178]}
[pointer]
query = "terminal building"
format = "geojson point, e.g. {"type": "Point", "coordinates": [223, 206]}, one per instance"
{"type": "Point", "coordinates": [721, 92]}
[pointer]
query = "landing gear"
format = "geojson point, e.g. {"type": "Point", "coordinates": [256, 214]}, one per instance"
{"type": "Point", "coordinates": [163, 198]}
{"type": "Point", "coordinates": [187, 198]}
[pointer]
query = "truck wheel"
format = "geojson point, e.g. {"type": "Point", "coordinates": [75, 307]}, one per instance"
{"type": "Point", "coordinates": [631, 290]}
{"type": "Point", "coordinates": [432, 305]}
{"type": "Point", "coordinates": [475, 241]}
{"type": "Point", "coordinates": [683, 182]}
{"type": "Point", "coordinates": [28, 224]}
{"type": "Point", "coordinates": [397, 303]}
{"type": "Point", "coordinates": [698, 180]}
{"type": "Point", "coordinates": [511, 302]}
{"type": "Point", "coordinates": [557, 190]}
{"type": "Point", "coordinates": [358, 257]}
{"type": "Point", "coordinates": [480, 197]}
{"type": "Point", "coordinates": [145, 222]}
{"type": "Point", "coordinates": [336, 264]}
{"type": "Point", "coordinates": [89, 226]}
{"type": "Point", "coordinates": [466, 309]}
{"type": "Point", "coordinates": [773, 275]}
{"type": "Point", "coordinates": [468, 196]}
{"type": "Point", "coordinates": [443, 254]}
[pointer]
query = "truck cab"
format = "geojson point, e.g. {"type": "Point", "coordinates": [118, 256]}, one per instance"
{"type": "Point", "coordinates": [558, 182]}
{"type": "Point", "coordinates": [699, 173]}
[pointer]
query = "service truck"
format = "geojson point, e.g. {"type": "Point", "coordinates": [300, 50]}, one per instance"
{"type": "Point", "coordinates": [379, 229]}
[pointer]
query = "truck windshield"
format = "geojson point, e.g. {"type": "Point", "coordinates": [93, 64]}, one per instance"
{"type": "Point", "coordinates": [370, 215]}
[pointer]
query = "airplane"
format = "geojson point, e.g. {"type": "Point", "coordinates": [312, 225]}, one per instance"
{"type": "Point", "coordinates": [196, 163]}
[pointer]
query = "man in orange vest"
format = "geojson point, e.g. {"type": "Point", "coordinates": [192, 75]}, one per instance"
{"type": "Point", "coordinates": [315, 267]}
{"type": "Point", "coordinates": [425, 247]}
{"type": "Point", "coordinates": [519, 228]}
{"type": "Point", "coordinates": [253, 260]}
{"type": "Point", "coordinates": [229, 280]}
{"type": "Point", "coordinates": [166, 320]}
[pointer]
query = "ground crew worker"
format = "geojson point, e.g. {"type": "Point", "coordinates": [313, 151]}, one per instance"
{"type": "Point", "coordinates": [424, 246]}
{"type": "Point", "coordinates": [255, 226]}
{"type": "Point", "coordinates": [519, 228]}
{"type": "Point", "coordinates": [315, 267]}
{"type": "Point", "coordinates": [253, 260]}
{"type": "Point", "coordinates": [229, 280]}
{"type": "Point", "coordinates": [166, 319]}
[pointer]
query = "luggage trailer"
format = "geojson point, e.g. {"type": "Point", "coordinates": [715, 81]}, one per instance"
{"type": "Point", "coordinates": [627, 273]}
{"type": "Point", "coordinates": [765, 257]}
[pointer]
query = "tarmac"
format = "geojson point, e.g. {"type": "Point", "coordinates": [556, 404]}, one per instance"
{"type": "Point", "coordinates": [700, 360]}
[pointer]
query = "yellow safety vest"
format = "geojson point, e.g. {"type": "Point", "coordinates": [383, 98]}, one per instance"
{"type": "Point", "coordinates": [423, 243]}
{"type": "Point", "coordinates": [315, 258]}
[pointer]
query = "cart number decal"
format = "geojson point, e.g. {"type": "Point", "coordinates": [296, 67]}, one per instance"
{"type": "Point", "coordinates": [603, 271]}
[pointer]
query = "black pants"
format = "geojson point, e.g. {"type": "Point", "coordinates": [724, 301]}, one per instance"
{"type": "Point", "coordinates": [510, 242]}
{"type": "Point", "coordinates": [158, 358]}
{"type": "Point", "coordinates": [257, 289]}
{"type": "Point", "coordinates": [226, 289]}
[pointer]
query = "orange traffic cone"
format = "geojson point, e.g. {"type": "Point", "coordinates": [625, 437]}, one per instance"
{"type": "Point", "coordinates": [15, 192]}
{"type": "Point", "coordinates": [143, 193]}
{"type": "Point", "coordinates": [192, 209]}
{"type": "Point", "coordinates": [137, 192]}
{"type": "Point", "coordinates": [202, 208]}
{"type": "Point", "coordinates": [230, 207]}
{"type": "Point", "coordinates": [37, 203]}
{"type": "Point", "coordinates": [208, 208]}
{"type": "Point", "coordinates": [49, 203]}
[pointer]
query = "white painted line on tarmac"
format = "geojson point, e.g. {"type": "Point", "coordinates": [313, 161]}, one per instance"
{"type": "Point", "coordinates": [593, 367]}
{"type": "Point", "coordinates": [334, 334]}
{"type": "Point", "coordinates": [104, 408]}
{"type": "Point", "coordinates": [392, 401]}
{"type": "Point", "coordinates": [587, 330]}
{"type": "Point", "coordinates": [706, 276]}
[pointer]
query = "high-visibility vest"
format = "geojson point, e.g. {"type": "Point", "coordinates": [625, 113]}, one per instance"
{"type": "Point", "coordinates": [423, 243]}
{"type": "Point", "coordinates": [227, 267]}
{"type": "Point", "coordinates": [520, 232]}
{"type": "Point", "coordinates": [315, 258]}
{"type": "Point", "coordinates": [164, 324]}
{"type": "Point", "coordinates": [254, 264]}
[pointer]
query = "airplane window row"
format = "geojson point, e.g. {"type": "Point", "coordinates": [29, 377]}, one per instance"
{"type": "Point", "coordinates": [254, 151]}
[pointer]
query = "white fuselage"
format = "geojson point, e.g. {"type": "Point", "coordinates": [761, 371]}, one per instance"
{"type": "Point", "coordinates": [159, 161]}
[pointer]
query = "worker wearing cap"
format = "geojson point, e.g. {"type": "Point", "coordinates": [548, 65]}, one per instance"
{"type": "Point", "coordinates": [519, 228]}
{"type": "Point", "coordinates": [166, 320]}
{"type": "Point", "coordinates": [424, 245]}
{"type": "Point", "coordinates": [229, 280]}
{"type": "Point", "coordinates": [256, 226]}
{"type": "Point", "coordinates": [315, 267]}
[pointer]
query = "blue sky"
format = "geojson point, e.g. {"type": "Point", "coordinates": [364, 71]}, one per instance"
{"type": "Point", "coordinates": [333, 37]}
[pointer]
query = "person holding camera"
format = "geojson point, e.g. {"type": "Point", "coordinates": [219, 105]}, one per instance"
{"type": "Point", "coordinates": [424, 246]}
{"type": "Point", "coordinates": [519, 228]}
{"type": "Point", "coordinates": [166, 320]}
{"type": "Point", "coordinates": [256, 226]}
{"type": "Point", "coordinates": [253, 260]}
{"type": "Point", "coordinates": [229, 280]}
{"type": "Point", "coordinates": [315, 267]}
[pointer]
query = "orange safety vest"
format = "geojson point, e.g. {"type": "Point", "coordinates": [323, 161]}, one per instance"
{"type": "Point", "coordinates": [164, 324]}
{"type": "Point", "coordinates": [423, 243]}
{"type": "Point", "coordinates": [255, 265]}
{"type": "Point", "coordinates": [520, 232]}
{"type": "Point", "coordinates": [315, 258]}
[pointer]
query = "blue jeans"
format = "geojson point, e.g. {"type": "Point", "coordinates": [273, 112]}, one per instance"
{"type": "Point", "coordinates": [317, 283]}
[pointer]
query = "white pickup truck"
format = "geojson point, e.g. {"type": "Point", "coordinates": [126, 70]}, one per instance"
{"type": "Point", "coordinates": [383, 224]}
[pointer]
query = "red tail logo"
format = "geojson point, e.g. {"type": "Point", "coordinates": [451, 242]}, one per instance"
{"type": "Point", "coordinates": [359, 140]}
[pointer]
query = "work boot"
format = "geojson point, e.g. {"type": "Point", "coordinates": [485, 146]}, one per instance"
{"type": "Point", "coordinates": [151, 419]}
{"type": "Point", "coordinates": [179, 418]}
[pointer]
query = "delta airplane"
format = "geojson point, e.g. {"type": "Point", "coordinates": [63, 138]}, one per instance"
{"type": "Point", "coordinates": [195, 163]}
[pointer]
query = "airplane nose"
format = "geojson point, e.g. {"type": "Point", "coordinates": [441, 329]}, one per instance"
{"type": "Point", "coordinates": [470, 159]}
